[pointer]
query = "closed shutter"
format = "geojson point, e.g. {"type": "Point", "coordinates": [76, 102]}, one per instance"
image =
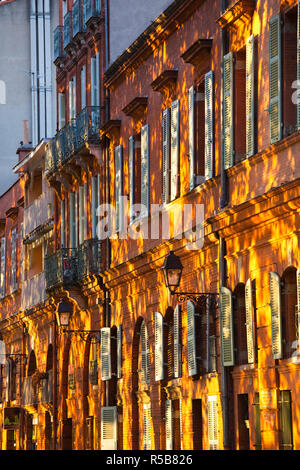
{"type": "Point", "coordinates": [72, 98]}
{"type": "Point", "coordinates": [95, 203]}
{"type": "Point", "coordinates": [257, 427]}
{"type": "Point", "coordinates": [147, 426]}
{"type": "Point", "coordinates": [250, 97]}
{"type": "Point", "coordinates": [249, 322]}
{"type": "Point", "coordinates": [298, 67]}
{"type": "Point", "coordinates": [159, 346]}
{"type": "Point", "coordinates": [192, 137]}
{"type": "Point", "coordinates": [227, 327]}
{"type": "Point", "coordinates": [105, 352]}
{"type": "Point", "coordinates": [97, 102]}
{"type": "Point", "coordinates": [8, 379]}
{"type": "Point", "coordinates": [2, 358]}
{"type": "Point", "coordinates": [175, 129]}
{"type": "Point", "coordinates": [298, 305]}
{"type": "Point", "coordinates": [63, 230]}
{"type": "Point", "coordinates": [177, 342]}
{"type": "Point", "coordinates": [209, 124]}
{"type": "Point", "coordinates": [145, 178]}
{"type": "Point", "coordinates": [213, 433]}
{"type": "Point", "coordinates": [83, 87]}
{"type": "Point", "coordinates": [228, 138]}
{"type": "Point", "coordinates": [166, 156]}
{"type": "Point", "coordinates": [13, 282]}
{"type": "Point", "coordinates": [275, 304]}
{"type": "Point", "coordinates": [109, 425]}
{"type": "Point", "coordinates": [119, 352]}
{"type": "Point", "coordinates": [145, 355]}
{"type": "Point", "coordinates": [81, 214]}
{"type": "Point", "coordinates": [118, 186]}
{"type": "Point", "coordinates": [3, 267]}
{"type": "Point", "coordinates": [275, 105]}
{"type": "Point", "coordinates": [61, 110]}
{"type": "Point", "coordinates": [286, 420]}
{"type": "Point", "coordinates": [93, 82]}
{"type": "Point", "coordinates": [169, 425]}
{"type": "Point", "coordinates": [191, 339]}
{"type": "Point", "coordinates": [131, 176]}
{"type": "Point", "coordinates": [73, 220]}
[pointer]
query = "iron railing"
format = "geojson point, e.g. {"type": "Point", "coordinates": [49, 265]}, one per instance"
{"type": "Point", "coordinates": [68, 35]}
{"type": "Point", "coordinates": [87, 125]}
{"type": "Point", "coordinates": [47, 388]}
{"type": "Point", "coordinates": [77, 14]}
{"type": "Point", "coordinates": [61, 268]}
{"type": "Point", "coordinates": [91, 9]}
{"type": "Point", "coordinates": [58, 42]}
{"type": "Point", "coordinates": [89, 258]}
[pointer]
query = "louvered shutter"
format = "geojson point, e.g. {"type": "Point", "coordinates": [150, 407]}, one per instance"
{"type": "Point", "coordinates": [13, 260]}
{"type": "Point", "coordinates": [61, 110]}
{"type": "Point", "coordinates": [93, 81]}
{"type": "Point", "coordinates": [97, 79]}
{"type": "Point", "coordinates": [213, 434]}
{"type": "Point", "coordinates": [298, 305]}
{"type": "Point", "coordinates": [118, 186]}
{"type": "Point", "coordinates": [209, 124]}
{"type": "Point", "coordinates": [275, 105]}
{"type": "Point", "coordinates": [145, 177]}
{"type": "Point", "coordinates": [275, 304]}
{"type": "Point", "coordinates": [73, 220]}
{"type": "Point", "coordinates": [166, 156]}
{"type": "Point", "coordinates": [2, 356]}
{"type": "Point", "coordinates": [177, 342]}
{"type": "Point", "coordinates": [192, 137]}
{"type": "Point", "coordinates": [298, 67]}
{"type": "Point", "coordinates": [175, 128]}
{"type": "Point", "coordinates": [95, 203]}
{"type": "Point", "coordinates": [109, 428]}
{"type": "Point", "coordinates": [63, 230]}
{"type": "Point", "coordinates": [159, 346]}
{"type": "Point", "coordinates": [169, 425]}
{"type": "Point", "coordinates": [83, 87]}
{"type": "Point", "coordinates": [8, 379]}
{"type": "Point", "coordinates": [3, 266]}
{"type": "Point", "coordinates": [145, 355]}
{"type": "Point", "coordinates": [227, 327]}
{"type": "Point", "coordinates": [191, 339]}
{"type": "Point", "coordinates": [70, 99]}
{"type": "Point", "coordinates": [119, 352]}
{"type": "Point", "coordinates": [249, 322]}
{"type": "Point", "coordinates": [105, 352]}
{"type": "Point", "coordinates": [147, 426]}
{"type": "Point", "coordinates": [131, 176]}
{"type": "Point", "coordinates": [250, 97]}
{"type": "Point", "coordinates": [228, 149]}
{"type": "Point", "coordinates": [81, 214]}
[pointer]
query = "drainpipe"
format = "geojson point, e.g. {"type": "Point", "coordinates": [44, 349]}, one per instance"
{"type": "Point", "coordinates": [224, 183]}
{"type": "Point", "coordinates": [54, 385]}
{"type": "Point", "coordinates": [33, 48]}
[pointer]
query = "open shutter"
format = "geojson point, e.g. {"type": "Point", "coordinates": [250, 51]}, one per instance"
{"type": "Point", "coordinates": [71, 104]}
{"type": "Point", "coordinates": [145, 355]}
{"type": "Point", "coordinates": [2, 355]}
{"type": "Point", "coordinates": [213, 437]}
{"type": "Point", "coordinates": [191, 339]}
{"type": "Point", "coordinates": [97, 80]}
{"type": "Point", "coordinates": [93, 82]}
{"type": "Point", "coordinates": [209, 124]}
{"type": "Point", "coordinates": [275, 105]}
{"type": "Point", "coordinates": [275, 304]}
{"type": "Point", "coordinates": [250, 97]}
{"type": "Point", "coordinates": [118, 186]}
{"type": "Point", "coordinates": [192, 137]}
{"type": "Point", "coordinates": [131, 176]}
{"type": "Point", "coordinates": [119, 352]}
{"type": "Point", "coordinates": [249, 322]}
{"type": "Point", "coordinates": [73, 220]}
{"type": "Point", "coordinates": [95, 203]}
{"type": "Point", "coordinates": [82, 213]}
{"type": "Point", "coordinates": [147, 426]}
{"type": "Point", "coordinates": [13, 282]}
{"type": "Point", "coordinates": [227, 327]}
{"type": "Point", "coordinates": [63, 227]}
{"type": "Point", "coordinates": [166, 156]}
{"type": "Point", "coordinates": [298, 67]}
{"type": "Point", "coordinates": [83, 87]}
{"type": "Point", "coordinates": [298, 305]}
{"type": "Point", "coordinates": [3, 266]}
{"type": "Point", "coordinates": [105, 352]}
{"type": "Point", "coordinates": [169, 425]}
{"type": "Point", "coordinates": [109, 428]}
{"type": "Point", "coordinates": [175, 128]}
{"type": "Point", "coordinates": [228, 149]}
{"type": "Point", "coordinates": [61, 110]}
{"type": "Point", "coordinates": [159, 346]}
{"type": "Point", "coordinates": [177, 342]}
{"type": "Point", "coordinates": [145, 177]}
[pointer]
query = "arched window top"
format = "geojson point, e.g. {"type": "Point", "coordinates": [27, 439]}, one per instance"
{"type": "Point", "coordinates": [31, 364]}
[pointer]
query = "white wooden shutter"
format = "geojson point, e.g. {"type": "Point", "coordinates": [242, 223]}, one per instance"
{"type": "Point", "coordinates": [275, 92]}
{"type": "Point", "coordinates": [118, 186]}
{"type": "Point", "coordinates": [119, 352]}
{"type": "Point", "coordinates": [82, 220]}
{"type": "Point", "coordinates": [145, 177]}
{"type": "Point", "coordinates": [213, 433]}
{"type": "Point", "coordinates": [169, 425]}
{"type": "Point", "coordinates": [227, 327]}
{"type": "Point", "coordinates": [177, 342]}
{"type": "Point", "coordinates": [61, 110]}
{"type": "Point", "coordinates": [175, 129]}
{"type": "Point", "coordinates": [249, 322]}
{"type": "Point", "coordinates": [298, 305]}
{"type": "Point", "coordinates": [63, 229]}
{"type": "Point", "coordinates": [209, 124]}
{"type": "Point", "coordinates": [166, 156]}
{"type": "Point", "coordinates": [250, 97]}
{"type": "Point", "coordinates": [73, 220]}
{"type": "Point", "coordinates": [147, 425]}
{"type": "Point", "coordinates": [72, 98]}
{"type": "Point", "coordinates": [191, 137]}
{"type": "Point", "coordinates": [131, 176]}
{"type": "Point", "coordinates": [191, 339]}
{"type": "Point", "coordinates": [228, 147]}
{"type": "Point", "coordinates": [159, 346]}
{"type": "Point", "coordinates": [105, 353]}
{"type": "Point", "coordinates": [2, 354]}
{"type": "Point", "coordinates": [95, 203]}
{"type": "Point", "coordinates": [109, 423]}
{"type": "Point", "coordinates": [13, 259]}
{"type": "Point", "coordinates": [93, 82]}
{"type": "Point", "coordinates": [145, 355]}
{"type": "Point", "coordinates": [97, 103]}
{"type": "Point", "coordinates": [83, 87]}
{"type": "Point", "coordinates": [3, 266]}
{"type": "Point", "coordinates": [275, 304]}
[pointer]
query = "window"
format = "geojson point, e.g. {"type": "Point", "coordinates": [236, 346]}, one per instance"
{"type": "Point", "coordinates": [71, 371]}
{"type": "Point", "coordinates": [82, 201]}
{"type": "Point", "coordinates": [243, 422]}
{"type": "Point", "coordinates": [61, 110]}
{"type": "Point", "coordinates": [134, 175]}
{"type": "Point", "coordinates": [289, 66]}
{"type": "Point", "coordinates": [289, 312]}
{"type": "Point", "coordinates": [83, 87]}
{"type": "Point", "coordinates": [73, 220]}
{"type": "Point", "coordinates": [170, 152]}
{"type": "Point", "coordinates": [63, 223]}
{"type": "Point", "coordinates": [95, 203]}
{"type": "Point", "coordinates": [173, 422]}
{"type": "Point", "coordinates": [286, 424]}
{"type": "Point", "coordinates": [3, 268]}
{"type": "Point", "coordinates": [95, 77]}
{"type": "Point", "coordinates": [93, 363]}
{"type": "Point", "coordinates": [118, 188]}
{"type": "Point", "coordinates": [72, 98]}
{"type": "Point", "coordinates": [13, 279]}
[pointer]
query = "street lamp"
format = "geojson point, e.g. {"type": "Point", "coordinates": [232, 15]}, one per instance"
{"type": "Point", "coordinates": [63, 317]}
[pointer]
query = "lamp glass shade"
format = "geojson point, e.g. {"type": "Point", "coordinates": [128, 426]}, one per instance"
{"type": "Point", "coordinates": [172, 270]}
{"type": "Point", "coordinates": [64, 313]}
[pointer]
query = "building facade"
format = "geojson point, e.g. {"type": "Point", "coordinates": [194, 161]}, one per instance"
{"type": "Point", "coordinates": [186, 143]}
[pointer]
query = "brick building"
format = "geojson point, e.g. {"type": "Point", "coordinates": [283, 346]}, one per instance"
{"type": "Point", "coordinates": [191, 136]}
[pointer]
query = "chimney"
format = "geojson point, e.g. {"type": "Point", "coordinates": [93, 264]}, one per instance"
{"type": "Point", "coordinates": [25, 147]}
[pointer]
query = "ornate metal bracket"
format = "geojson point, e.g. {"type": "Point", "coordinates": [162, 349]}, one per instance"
{"type": "Point", "coordinates": [84, 334]}
{"type": "Point", "coordinates": [201, 299]}
{"type": "Point", "coordinates": [17, 357]}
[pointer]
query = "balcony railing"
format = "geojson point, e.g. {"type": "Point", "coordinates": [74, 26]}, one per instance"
{"type": "Point", "coordinates": [29, 398]}
{"type": "Point", "coordinates": [47, 388]}
{"type": "Point", "coordinates": [91, 9]}
{"type": "Point", "coordinates": [73, 136]}
{"type": "Point", "coordinates": [89, 258]}
{"type": "Point", "coordinates": [78, 24]}
{"type": "Point", "coordinates": [38, 212]}
{"type": "Point", "coordinates": [33, 291]}
{"type": "Point", "coordinates": [68, 35]}
{"type": "Point", "coordinates": [58, 42]}
{"type": "Point", "coordinates": [61, 268]}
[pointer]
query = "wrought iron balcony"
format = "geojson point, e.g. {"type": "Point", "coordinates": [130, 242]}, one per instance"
{"type": "Point", "coordinates": [58, 42]}
{"type": "Point", "coordinates": [91, 9]}
{"type": "Point", "coordinates": [89, 258]}
{"type": "Point", "coordinates": [78, 24]}
{"type": "Point", "coordinates": [61, 268]}
{"type": "Point", "coordinates": [47, 388]}
{"type": "Point", "coordinates": [68, 35]}
{"type": "Point", "coordinates": [87, 126]}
